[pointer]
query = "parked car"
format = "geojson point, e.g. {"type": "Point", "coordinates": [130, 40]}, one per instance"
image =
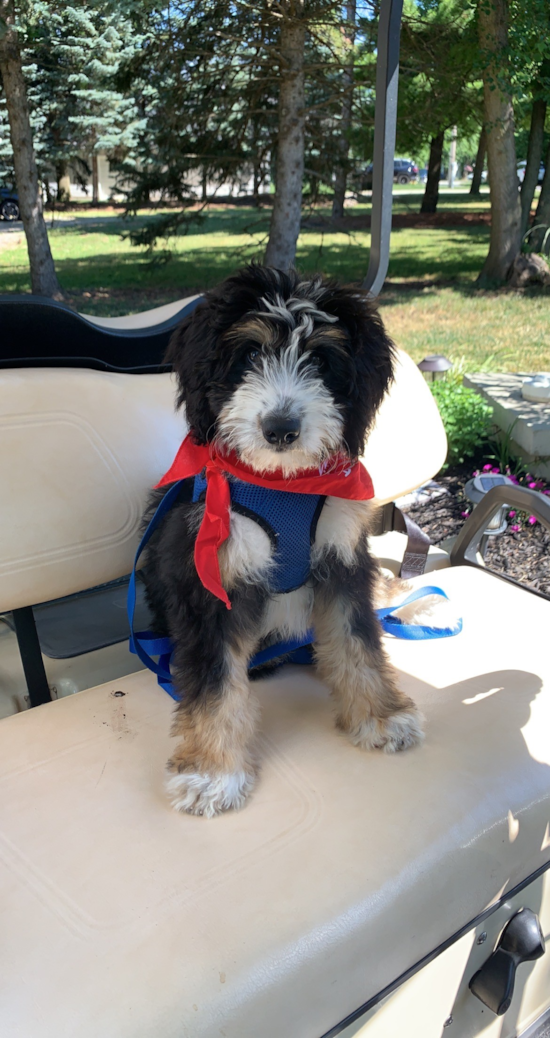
{"type": "Point", "coordinates": [521, 172]}
{"type": "Point", "coordinates": [9, 204]}
{"type": "Point", "coordinates": [404, 172]}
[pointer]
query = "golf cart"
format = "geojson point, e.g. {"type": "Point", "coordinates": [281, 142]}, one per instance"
{"type": "Point", "coordinates": [356, 894]}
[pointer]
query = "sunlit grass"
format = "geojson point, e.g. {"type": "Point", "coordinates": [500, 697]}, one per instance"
{"type": "Point", "coordinates": [430, 304]}
{"type": "Point", "coordinates": [493, 331]}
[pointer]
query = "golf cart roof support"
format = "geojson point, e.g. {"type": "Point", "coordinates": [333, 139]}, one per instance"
{"type": "Point", "coordinates": [385, 116]}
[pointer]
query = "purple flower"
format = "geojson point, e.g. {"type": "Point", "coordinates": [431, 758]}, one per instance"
{"type": "Point", "coordinates": [514, 479]}
{"type": "Point", "coordinates": [532, 520]}
{"type": "Point", "coordinates": [464, 515]}
{"type": "Point", "coordinates": [515, 528]}
{"type": "Point", "coordinates": [511, 515]}
{"type": "Point", "coordinates": [488, 468]}
{"type": "Point", "coordinates": [495, 470]}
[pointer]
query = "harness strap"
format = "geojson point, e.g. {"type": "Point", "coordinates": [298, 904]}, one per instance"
{"type": "Point", "coordinates": [418, 544]}
{"type": "Point", "coordinates": [415, 632]}
{"type": "Point", "coordinates": [136, 639]}
{"type": "Point", "coordinates": [145, 645]}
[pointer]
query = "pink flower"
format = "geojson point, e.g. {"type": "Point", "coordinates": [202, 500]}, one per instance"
{"type": "Point", "coordinates": [546, 491]}
{"type": "Point", "coordinates": [475, 472]}
{"type": "Point", "coordinates": [464, 515]}
{"type": "Point", "coordinates": [515, 528]}
{"type": "Point", "coordinates": [532, 520]}
{"type": "Point", "coordinates": [488, 468]}
{"type": "Point", "coordinates": [495, 470]}
{"type": "Point", "coordinates": [531, 486]}
{"type": "Point", "coordinates": [511, 515]}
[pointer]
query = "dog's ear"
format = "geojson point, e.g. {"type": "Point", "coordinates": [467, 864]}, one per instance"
{"type": "Point", "coordinates": [191, 353]}
{"type": "Point", "coordinates": [373, 354]}
{"type": "Point", "coordinates": [374, 364]}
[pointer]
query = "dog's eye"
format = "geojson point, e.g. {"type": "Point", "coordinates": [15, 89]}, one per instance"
{"type": "Point", "coordinates": [252, 356]}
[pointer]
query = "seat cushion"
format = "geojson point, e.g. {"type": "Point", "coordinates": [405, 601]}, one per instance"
{"type": "Point", "coordinates": [389, 548]}
{"type": "Point", "coordinates": [123, 919]}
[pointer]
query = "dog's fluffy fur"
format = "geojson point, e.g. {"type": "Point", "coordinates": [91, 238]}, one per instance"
{"type": "Point", "coordinates": [267, 345]}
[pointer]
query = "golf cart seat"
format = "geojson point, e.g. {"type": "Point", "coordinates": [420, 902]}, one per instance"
{"type": "Point", "coordinates": [356, 892]}
{"type": "Point", "coordinates": [82, 635]}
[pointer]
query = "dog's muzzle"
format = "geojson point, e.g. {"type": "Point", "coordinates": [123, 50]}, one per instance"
{"type": "Point", "coordinates": [280, 430]}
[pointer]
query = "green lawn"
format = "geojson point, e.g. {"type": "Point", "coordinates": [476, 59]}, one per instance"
{"type": "Point", "coordinates": [430, 304]}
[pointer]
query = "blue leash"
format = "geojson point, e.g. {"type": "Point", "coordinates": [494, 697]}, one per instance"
{"type": "Point", "coordinates": [146, 645]}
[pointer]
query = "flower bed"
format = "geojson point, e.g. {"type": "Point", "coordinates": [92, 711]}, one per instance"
{"type": "Point", "coordinates": [522, 552]}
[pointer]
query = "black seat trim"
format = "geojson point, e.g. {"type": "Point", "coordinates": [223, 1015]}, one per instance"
{"type": "Point", "coordinates": [38, 333]}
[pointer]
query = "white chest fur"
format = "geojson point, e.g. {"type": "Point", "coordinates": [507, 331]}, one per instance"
{"type": "Point", "coordinates": [340, 526]}
{"type": "Point", "coordinates": [248, 555]}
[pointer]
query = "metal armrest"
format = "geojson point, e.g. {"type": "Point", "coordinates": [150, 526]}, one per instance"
{"type": "Point", "coordinates": [466, 549]}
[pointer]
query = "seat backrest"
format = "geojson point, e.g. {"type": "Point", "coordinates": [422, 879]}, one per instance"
{"type": "Point", "coordinates": [79, 450]}
{"type": "Point", "coordinates": [407, 445]}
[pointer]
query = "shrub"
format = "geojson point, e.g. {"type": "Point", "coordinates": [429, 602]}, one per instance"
{"type": "Point", "coordinates": [467, 419]}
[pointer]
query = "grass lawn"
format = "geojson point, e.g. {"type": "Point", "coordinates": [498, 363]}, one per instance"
{"type": "Point", "coordinates": [429, 303]}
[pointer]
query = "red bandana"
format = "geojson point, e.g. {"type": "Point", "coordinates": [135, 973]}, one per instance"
{"type": "Point", "coordinates": [347, 480]}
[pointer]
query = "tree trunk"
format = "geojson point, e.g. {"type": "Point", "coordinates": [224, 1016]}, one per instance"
{"type": "Point", "coordinates": [534, 155]}
{"type": "Point", "coordinates": [505, 240]}
{"type": "Point", "coordinates": [63, 182]}
{"type": "Point", "coordinates": [256, 182]}
{"type": "Point", "coordinates": [345, 119]}
{"type": "Point", "coordinates": [43, 277]}
{"type": "Point", "coordinates": [542, 215]}
{"type": "Point", "coordinates": [431, 192]}
{"type": "Point", "coordinates": [479, 163]}
{"type": "Point", "coordinates": [287, 208]}
{"type": "Point", "coordinates": [95, 179]}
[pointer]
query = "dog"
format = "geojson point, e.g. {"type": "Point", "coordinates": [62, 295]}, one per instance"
{"type": "Point", "coordinates": [286, 373]}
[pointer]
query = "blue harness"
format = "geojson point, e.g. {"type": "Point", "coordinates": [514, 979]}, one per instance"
{"type": "Point", "coordinates": [290, 521]}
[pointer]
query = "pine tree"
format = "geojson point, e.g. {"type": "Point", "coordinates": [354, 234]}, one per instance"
{"type": "Point", "coordinates": [209, 83]}
{"type": "Point", "coordinates": [71, 55]}
{"type": "Point", "coordinates": [43, 277]}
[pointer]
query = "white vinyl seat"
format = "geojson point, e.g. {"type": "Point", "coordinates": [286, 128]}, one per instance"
{"type": "Point", "coordinates": [123, 919]}
{"type": "Point", "coordinates": [120, 917]}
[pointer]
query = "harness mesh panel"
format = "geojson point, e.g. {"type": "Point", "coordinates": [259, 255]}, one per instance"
{"type": "Point", "coordinates": [288, 518]}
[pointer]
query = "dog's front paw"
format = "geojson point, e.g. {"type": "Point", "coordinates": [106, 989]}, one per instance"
{"type": "Point", "coordinates": [201, 793]}
{"type": "Point", "coordinates": [391, 734]}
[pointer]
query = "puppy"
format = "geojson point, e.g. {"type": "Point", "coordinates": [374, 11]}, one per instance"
{"type": "Point", "coordinates": [286, 373]}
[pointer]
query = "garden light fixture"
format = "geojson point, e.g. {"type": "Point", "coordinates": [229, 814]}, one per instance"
{"type": "Point", "coordinates": [475, 491]}
{"type": "Point", "coordinates": [435, 363]}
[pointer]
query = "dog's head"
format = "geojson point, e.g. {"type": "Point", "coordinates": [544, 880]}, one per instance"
{"type": "Point", "coordinates": [283, 369]}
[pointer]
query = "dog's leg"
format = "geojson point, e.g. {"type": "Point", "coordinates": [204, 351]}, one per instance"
{"type": "Point", "coordinates": [351, 660]}
{"type": "Point", "coordinates": [212, 768]}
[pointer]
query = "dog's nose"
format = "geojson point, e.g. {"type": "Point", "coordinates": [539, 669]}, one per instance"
{"type": "Point", "coordinates": [281, 431]}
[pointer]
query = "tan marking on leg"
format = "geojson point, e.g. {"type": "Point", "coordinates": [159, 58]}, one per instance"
{"type": "Point", "coordinates": [213, 767]}
{"type": "Point", "coordinates": [370, 707]}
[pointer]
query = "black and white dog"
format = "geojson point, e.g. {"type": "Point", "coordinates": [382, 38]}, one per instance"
{"type": "Point", "coordinates": [285, 372]}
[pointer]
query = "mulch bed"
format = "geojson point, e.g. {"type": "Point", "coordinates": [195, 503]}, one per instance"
{"type": "Point", "coordinates": [450, 218]}
{"type": "Point", "coordinates": [523, 554]}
